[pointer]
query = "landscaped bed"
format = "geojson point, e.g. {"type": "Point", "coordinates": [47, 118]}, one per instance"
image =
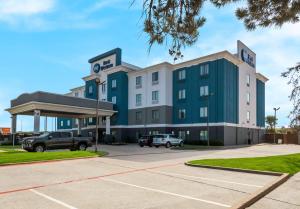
{"type": "Point", "coordinates": [281, 163]}
{"type": "Point", "coordinates": [12, 156]}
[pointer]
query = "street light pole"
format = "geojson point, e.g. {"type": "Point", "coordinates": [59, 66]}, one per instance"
{"type": "Point", "coordinates": [275, 111]}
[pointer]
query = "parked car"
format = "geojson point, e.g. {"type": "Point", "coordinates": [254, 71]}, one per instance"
{"type": "Point", "coordinates": [146, 140]}
{"type": "Point", "coordinates": [167, 140]}
{"type": "Point", "coordinates": [56, 140]}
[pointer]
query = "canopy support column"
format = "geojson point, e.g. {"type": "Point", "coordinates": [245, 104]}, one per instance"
{"type": "Point", "coordinates": [107, 125]}
{"type": "Point", "coordinates": [36, 115]}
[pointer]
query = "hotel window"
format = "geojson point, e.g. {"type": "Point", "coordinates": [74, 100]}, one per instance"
{"type": "Point", "coordinates": [181, 135]}
{"type": "Point", "coordinates": [61, 123]}
{"type": "Point", "coordinates": [155, 97]}
{"type": "Point", "coordinates": [114, 100]}
{"type": "Point", "coordinates": [248, 116]}
{"type": "Point", "coordinates": [114, 83]}
{"type": "Point", "coordinates": [181, 94]}
{"type": "Point", "coordinates": [203, 135]}
{"type": "Point", "coordinates": [155, 115]}
{"type": "Point", "coordinates": [68, 123]}
{"type": "Point", "coordinates": [248, 98]}
{"type": "Point", "coordinates": [90, 120]}
{"type": "Point", "coordinates": [138, 99]}
{"type": "Point", "coordinates": [204, 70]}
{"type": "Point", "coordinates": [181, 114]}
{"type": "Point", "coordinates": [203, 91]}
{"type": "Point", "coordinates": [138, 116]}
{"type": "Point", "coordinates": [155, 78]}
{"type": "Point", "coordinates": [90, 89]}
{"type": "Point", "coordinates": [181, 75]}
{"type": "Point", "coordinates": [138, 82]}
{"type": "Point", "coordinates": [103, 88]}
{"type": "Point", "coordinates": [203, 112]}
{"type": "Point", "coordinates": [248, 80]}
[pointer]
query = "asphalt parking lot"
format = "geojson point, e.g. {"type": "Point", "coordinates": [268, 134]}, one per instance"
{"type": "Point", "coordinates": [130, 179]}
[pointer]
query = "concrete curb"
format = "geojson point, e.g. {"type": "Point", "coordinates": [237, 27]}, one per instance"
{"type": "Point", "coordinates": [250, 200]}
{"type": "Point", "coordinates": [45, 161]}
{"type": "Point", "coordinates": [236, 169]}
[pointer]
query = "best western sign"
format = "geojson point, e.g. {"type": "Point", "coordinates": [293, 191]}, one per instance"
{"type": "Point", "coordinates": [246, 54]}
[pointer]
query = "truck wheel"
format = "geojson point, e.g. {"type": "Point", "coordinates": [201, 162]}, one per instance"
{"type": "Point", "coordinates": [181, 144]}
{"type": "Point", "coordinates": [39, 148]}
{"type": "Point", "coordinates": [168, 145]}
{"type": "Point", "coordinates": [82, 147]}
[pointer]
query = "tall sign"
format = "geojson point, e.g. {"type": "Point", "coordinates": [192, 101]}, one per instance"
{"type": "Point", "coordinates": [246, 54]}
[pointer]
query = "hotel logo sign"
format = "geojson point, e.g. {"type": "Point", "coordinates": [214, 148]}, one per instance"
{"type": "Point", "coordinates": [246, 54]}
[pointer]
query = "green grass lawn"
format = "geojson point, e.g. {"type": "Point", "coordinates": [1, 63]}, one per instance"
{"type": "Point", "coordinates": [281, 163]}
{"type": "Point", "coordinates": [11, 156]}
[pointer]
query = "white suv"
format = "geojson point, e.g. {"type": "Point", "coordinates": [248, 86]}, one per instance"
{"type": "Point", "coordinates": [166, 140]}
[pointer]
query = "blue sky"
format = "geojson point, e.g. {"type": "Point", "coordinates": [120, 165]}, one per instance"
{"type": "Point", "coordinates": [45, 45]}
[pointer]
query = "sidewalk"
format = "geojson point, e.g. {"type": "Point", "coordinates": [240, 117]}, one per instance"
{"type": "Point", "coordinates": [287, 196]}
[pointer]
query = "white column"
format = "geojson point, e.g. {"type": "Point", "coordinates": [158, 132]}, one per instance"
{"type": "Point", "coordinates": [36, 115]}
{"type": "Point", "coordinates": [13, 128]}
{"type": "Point", "coordinates": [13, 124]}
{"type": "Point", "coordinates": [107, 125]}
{"type": "Point", "coordinates": [46, 124]}
{"type": "Point", "coordinates": [80, 124]}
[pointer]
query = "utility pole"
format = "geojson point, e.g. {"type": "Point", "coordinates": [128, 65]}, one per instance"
{"type": "Point", "coordinates": [275, 119]}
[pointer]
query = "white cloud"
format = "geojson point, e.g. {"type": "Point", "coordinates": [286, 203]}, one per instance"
{"type": "Point", "coordinates": [26, 12]}
{"type": "Point", "coordinates": [25, 7]}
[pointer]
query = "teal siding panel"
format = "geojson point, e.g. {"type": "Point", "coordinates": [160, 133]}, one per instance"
{"type": "Point", "coordinates": [91, 84]}
{"type": "Point", "coordinates": [222, 82]}
{"type": "Point", "coordinates": [62, 123]}
{"type": "Point", "coordinates": [260, 103]}
{"type": "Point", "coordinates": [121, 93]}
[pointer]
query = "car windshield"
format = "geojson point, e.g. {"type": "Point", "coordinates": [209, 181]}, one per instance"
{"type": "Point", "coordinates": [44, 134]}
{"type": "Point", "coordinates": [159, 136]}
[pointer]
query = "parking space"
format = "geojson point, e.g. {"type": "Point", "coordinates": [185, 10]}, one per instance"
{"type": "Point", "coordinates": [116, 182]}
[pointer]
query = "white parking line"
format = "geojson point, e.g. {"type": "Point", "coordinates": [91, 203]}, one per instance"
{"type": "Point", "coordinates": [209, 179]}
{"type": "Point", "coordinates": [168, 193]}
{"type": "Point", "coordinates": [52, 199]}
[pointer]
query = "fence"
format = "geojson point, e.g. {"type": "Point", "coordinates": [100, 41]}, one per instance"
{"type": "Point", "coordinates": [289, 138]}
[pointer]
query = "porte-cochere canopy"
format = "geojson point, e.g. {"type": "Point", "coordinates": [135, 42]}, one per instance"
{"type": "Point", "coordinates": [57, 105]}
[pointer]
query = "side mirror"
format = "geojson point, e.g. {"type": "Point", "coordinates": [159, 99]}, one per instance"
{"type": "Point", "coordinates": [50, 137]}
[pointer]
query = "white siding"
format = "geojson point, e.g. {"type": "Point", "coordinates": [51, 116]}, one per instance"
{"type": "Point", "coordinates": [244, 70]}
{"type": "Point", "coordinates": [164, 87]}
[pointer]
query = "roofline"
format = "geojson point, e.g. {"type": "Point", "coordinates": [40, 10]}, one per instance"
{"type": "Point", "coordinates": [76, 88]}
{"type": "Point", "coordinates": [116, 51]}
{"type": "Point", "coordinates": [261, 77]}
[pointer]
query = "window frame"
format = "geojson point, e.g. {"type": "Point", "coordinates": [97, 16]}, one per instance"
{"type": "Point", "coordinates": [181, 112]}
{"type": "Point", "coordinates": [114, 99]}
{"type": "Point", "coordinates": [113, 83]}
{"type": "Point", "coordinates": [204, 113]}
{"type": "Point", "coordinates": [155, 113]}
{"type": "Point", "coordinates": [204, 91]}
{"type": "Point", "coordinates": [181, 75]}
{"type": "Point", "coordinates": [138, 104]}
{"type": "Point", "coordinates": [181, 94]}
{"type": "Point", "coordinates": [138, 85]}
{"type": "Point", "coordinates": [154, 82]}
{"type": "Point", "coordinates": [155, 93]}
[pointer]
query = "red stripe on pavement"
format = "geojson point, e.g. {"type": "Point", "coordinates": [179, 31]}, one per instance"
{"type": "Point", "coordinates": [85, 179]}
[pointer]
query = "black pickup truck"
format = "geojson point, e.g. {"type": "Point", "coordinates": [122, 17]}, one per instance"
{"type": "Point", "coordinates": [56, 140]}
